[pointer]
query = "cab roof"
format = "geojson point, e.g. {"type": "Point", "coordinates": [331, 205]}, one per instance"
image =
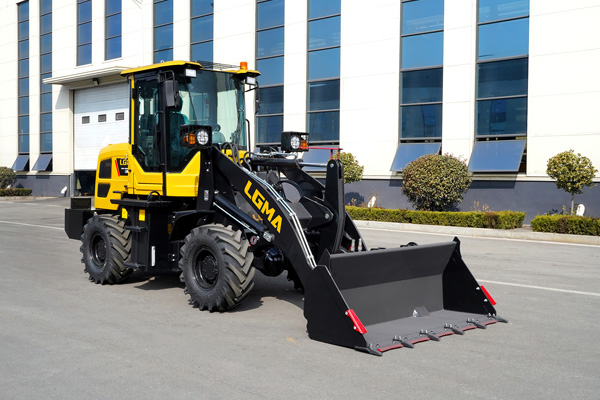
{"type": "Point", "coordinates": [193, 65]}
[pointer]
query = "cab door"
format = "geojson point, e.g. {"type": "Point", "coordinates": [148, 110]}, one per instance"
{"type": "Point", "coordinates": [146, 168]}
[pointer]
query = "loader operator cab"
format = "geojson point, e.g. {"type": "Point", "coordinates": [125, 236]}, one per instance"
{"type": "Point", "coordinates": [180, 95]}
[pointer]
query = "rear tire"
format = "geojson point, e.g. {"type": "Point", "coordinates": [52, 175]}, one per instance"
{"type": "Point", "coordinates": [106, 247]}
{"type": "Point", "coordinates": [216, 267]}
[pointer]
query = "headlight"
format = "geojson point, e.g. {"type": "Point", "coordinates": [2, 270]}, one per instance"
{"type": "Point", "coordinates": [203, 137]}
{"type": "Point", "coordinates": [294, 141]}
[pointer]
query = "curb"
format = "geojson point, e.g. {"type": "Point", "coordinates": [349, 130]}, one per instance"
{"type": "Point", "coordinates": [482, 232]}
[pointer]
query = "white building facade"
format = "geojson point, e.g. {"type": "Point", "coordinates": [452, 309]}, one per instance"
{"type": "Point", "coordinates": [504, 84]}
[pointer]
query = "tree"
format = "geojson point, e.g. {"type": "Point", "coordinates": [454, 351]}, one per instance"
{"type": "Point", "coordinates": [435, 182]}
{"type": "Point", "coordinates": [572, 172]}
{"type": "Point", "coordinates": [7, 177]}
{"type": "Point", "coordinates": [353, 171]}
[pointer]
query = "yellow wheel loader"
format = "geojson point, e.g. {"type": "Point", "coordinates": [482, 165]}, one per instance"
{"type": "Point", "coordinates": [186, 194]}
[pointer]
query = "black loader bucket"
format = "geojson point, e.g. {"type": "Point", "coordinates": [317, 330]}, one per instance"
{"type": "Point", "coordinates": [378, 300]}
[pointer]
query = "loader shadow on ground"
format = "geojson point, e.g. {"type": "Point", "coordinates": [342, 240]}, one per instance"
{"type": "Point", "coordinates": [264, 286]}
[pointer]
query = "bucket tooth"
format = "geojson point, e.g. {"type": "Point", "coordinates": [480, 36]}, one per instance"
{"type": "Point", "coordinates": [497, 318]}
{"type": "Point", "coordinates": [475, 322]}
{"type": "Point", "coordinates": [454, 328]}
{"type": "Point", "coordinates": [404, 342]}
{"type": "Point", "coordinates": [430, 335]}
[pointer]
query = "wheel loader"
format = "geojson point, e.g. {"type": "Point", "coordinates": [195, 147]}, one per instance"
{"type": "Point", "coordinates": [187, 194]}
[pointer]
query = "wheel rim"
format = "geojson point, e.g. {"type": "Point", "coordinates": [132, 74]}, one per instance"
{"type": "Point", "coordinates": [98, 251]}
{"type": "Point", "coordinates": [206, 269]}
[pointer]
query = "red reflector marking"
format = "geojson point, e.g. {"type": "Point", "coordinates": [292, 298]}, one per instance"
{"type": "Point", "coordinates": [490, 298]}
{"type": "Point", "coordinates": [358, 326]}
{"type": "Point", "coordinates": [117, 165]}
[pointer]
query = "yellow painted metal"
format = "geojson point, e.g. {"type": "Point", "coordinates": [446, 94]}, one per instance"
{"type": "Point", "coordinates": [142, 214]}
{"type": "Point", "coordinates": [142, 182]}
{"type": "Point", "coordinates": [117, 182]}
{"type": "Point", "coordinates": [124, 213]}
{"type": "Point", "coordinates": [185, 183]}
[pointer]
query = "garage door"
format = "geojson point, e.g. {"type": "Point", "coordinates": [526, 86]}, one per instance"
{"type": "Point", "coordinates": [101, 118]}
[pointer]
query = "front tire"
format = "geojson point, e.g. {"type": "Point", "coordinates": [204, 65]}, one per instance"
{"type": "Point", "coordinates": [216, 267]}
{"type": "Point", "coordinates": [106, 247]}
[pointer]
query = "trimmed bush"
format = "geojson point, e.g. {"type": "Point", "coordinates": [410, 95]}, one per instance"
{"type": "Point", "coordinates": [353, 171]}
{"type": "Point", "coordinates": [573, 225]}
{"type": "Point", "coordinates": [572, 172]}
{"type": "Point", "coordinates": [15, 192]}
{"type": "Point", "coordinates": [435, 182]}
{"type": "Point", "coordinates": [7, 177]}
{"type": "Point", "coordinates": [469, 219]}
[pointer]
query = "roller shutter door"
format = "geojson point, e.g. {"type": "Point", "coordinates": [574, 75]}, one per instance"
{"type": "Point", "coordinates": [100, 118]}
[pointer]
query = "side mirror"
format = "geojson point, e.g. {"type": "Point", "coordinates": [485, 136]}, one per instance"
{"type": "Point", "coordinates": [172, 98]}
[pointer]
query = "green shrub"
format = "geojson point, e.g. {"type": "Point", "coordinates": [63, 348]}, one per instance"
{"type": "Point", "coordinates": [353, 171]}
{"type": "Point", "coordinates": [469, 219]}
{"type": "Point", "coordinates": [7, 177]}
{"type": "Point", "coordinates": [573, 225]}
{"type": "Point", "coordinates": [435, 182]}
{"type": "Point", "coordinates": [15, 192]}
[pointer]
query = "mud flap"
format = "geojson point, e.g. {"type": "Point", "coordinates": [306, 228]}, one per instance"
{"type": "Point", "coordinates": [382, 299]}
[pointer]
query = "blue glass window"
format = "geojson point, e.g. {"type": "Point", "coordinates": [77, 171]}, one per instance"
{"type": "Point", "coordinates": [409, 152]}
{"type": "Point", "coordinates": [163, 12]}
{"type": "Point", "coordinates": [84, 54]}
{"type": "Point", "coordinates": [502, 116]}
{"type": "Point", "coordinates": [271, 100]}
{"type": "Point", "coordinates": [45, 24]}
{"type": "Point", "coordinates": [270, 14]}
{"type": "Point", "coordinates": [113, 25]}
{"type": "Point", "coordinates": [46, 102]}
{"type": "Point", "coordinates": [24, 125]}
{"type": "Point", "coordinates": [425, 50]}
{"type": "Point", "coordinates": [46, 142]}
{"type": "Point", "coordinates": [270, 42]}
{"type": "Point", "coordinates": [504, 39]}
{"type": "Point", "coordinates": [422, 86]}
{"type": "Point", "coordinates": [22, 161]}
{"type": "Point", "coordinates": [43, 162]}
{"type": "Point", "coordinates": [163, 37]}
{"type": "Point", "coordinates": [23, 105]}
{"type": "Point", "coordinates": [84, 12]}
{"type": "Point", "coordinates": [113, 7]}
{"type": "Point", "coordinates": [497, 156]}
{"type": "Point", "coordinates": [23, 11]}
{"type": "Point", "coordinates": [324, 126]}
{"type": "Point", "coordinates": [45, 6]}
{"type": "Point", "coordinates": [23, 68]}
{"type": "Point", "coordinates": [202, 29]}
{"type": "Point", "coordinates": [24, 87]}
{"type": "Point", "coordinates": [113, 48]}
{"type": "Point", "coordinates": [323, 64]}
{"type": "Point", "coordinates": [45, 43]}
{"type": "Point", "coordinates": [202, 7]}
{"type": "Point", "coordinates": [43, 87]}
{"type": "Point", "coordinates": [324, 95]}
{"type": "Point", "coordinates": [202, 51]}
{"type": "Point", "coordinates": [23, 30]}
{"type": "Point", "coordinates": [493, 10]}
{"type": "Point", "coordinates": [84, 33]}
{"type": "Point", "coordinates": [46, 63]}
{"type": "Point", "coordinates": [422, 16]}
{"type": "Point", "coordinates": [163, 55]}
{"type": "Point", "coordinates": [502, 78]}
{"type": "Point", "coordinates": [46, 123]}
{"type": "Point", "coordinates": [268, 129]}
{"type": "Point", "coordinates": [271, 70]}
{"type": "Point", "coordinates": [422, 121]}
{"type": "Point", "coordinates": [316, 156]}
{"type": "Point", "coordinates": [324, 33]}
{"type": "Point", "coordinates": [323, 8]}
{"type": "Point", "coordinates": [23, 49]}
